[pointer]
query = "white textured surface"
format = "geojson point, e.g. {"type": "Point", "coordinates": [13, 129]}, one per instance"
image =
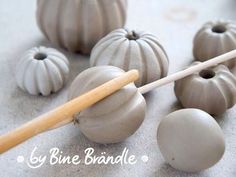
{"type": "Point", "coordinates": [19, 32]}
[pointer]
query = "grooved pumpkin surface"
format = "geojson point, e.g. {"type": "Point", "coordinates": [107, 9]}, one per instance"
{"type": "Point", "coordinates": [132, 50]}
{"type": "Point", "coordinates": [212, 90]}
{"type": "Point", "coordinates": [78, 24]}
{"type": "Point", "coordinates": [42, 71]}
{"type": "Point", "coordinates": [215, 38]}
{"type": "Point", "coordinates": [116, 117]}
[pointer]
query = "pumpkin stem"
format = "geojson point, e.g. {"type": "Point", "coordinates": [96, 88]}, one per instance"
{"type": "Point", "coordinates": [132, 35]}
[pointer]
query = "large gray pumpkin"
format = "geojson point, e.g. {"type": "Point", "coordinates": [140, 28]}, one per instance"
{"type": "Point", "coordinates": [114, 118]}
{"type": "Point", "coordinates": [132, 50]}
{"type": "Point", "coordinates": [78, 24]}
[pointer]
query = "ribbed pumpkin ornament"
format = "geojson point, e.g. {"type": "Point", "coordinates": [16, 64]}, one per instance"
{"type": "Point", "coordinates": [77, 25]}
{"type": "Point", "coordinates": [114, 118]}
{"type": "Point", "coordinates": [132, 50]}
{"type": "Point", "coordinates": [212, 90]}
{"type": "Point", "coordinates": [42, 71]}
{"type": "Point", "coordinates": [213, 39]}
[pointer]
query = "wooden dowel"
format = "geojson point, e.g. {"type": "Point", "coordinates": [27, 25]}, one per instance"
{"type": "Point", "coordinates": [179, 75]}
{"type": "Point", "coordinates": [50, 119]}
{"type": "Point", "coordinates": [184, 73]}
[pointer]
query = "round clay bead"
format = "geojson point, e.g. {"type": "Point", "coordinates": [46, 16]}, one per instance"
{"type": "Point", "coordinates": [114, 118]}
{"type": "Point", "coordinates": [213, 39]}
{"type": "Point", "coordinates": [190, 140]}
{"type": "Point", "coordinates": [42, 71]}
{"type": "Point", "coordinates": [78, 25]}
{"type": "Point", "coordinates": [212, 90]}
{"type": "Point", "coordinates": [132, 50]}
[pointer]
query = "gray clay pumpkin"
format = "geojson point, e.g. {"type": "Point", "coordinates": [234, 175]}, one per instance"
{"type": "Point", "coordinates": [114, 118]}
{"type": "Point", "coordinates": [212, 90]}
{"type": "Point", "coordinates": [42, 71]}
{"type": "Point", "coordinates": [77, 25]}
{"type": "Point", "coordinates": [132, 50]}
{"type": "Point", "coordinates": [213, 39]}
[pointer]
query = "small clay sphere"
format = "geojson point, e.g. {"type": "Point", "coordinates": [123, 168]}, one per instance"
{"type": "Point", "coordinates": [114, 118]}
{"type": "Point", "coordinates": [212, 90]}
{"type": "Point", "coordinates": [213, 39]}
{"type": "Point", "coordinates": [132, 50]}
{"type": "Point", "coordinates": [190, 140]}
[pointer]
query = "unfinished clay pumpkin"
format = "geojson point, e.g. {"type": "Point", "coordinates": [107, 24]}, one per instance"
{"type": "Point", "coordinates": [213, 39]}
{"type": "Point", "coordinates": [78, 25]}
{"type": "Point", "coordinates": [190, 140]}
{"type": "Point", "coordinates": [42, 71]}
{"type": "Point", "coordinates": [212, 90]}
{"type": "Point", "coordinates": [114, 118]}
{"type": "Point", "coordinates": [132, 50]}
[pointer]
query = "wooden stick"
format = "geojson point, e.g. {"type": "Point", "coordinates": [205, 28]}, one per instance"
{"type": "Point", "coordinates": [179, 75]}
{"type": "Point", "coordinates": [50, 119]}
{"type": "Point", "coordinates": [184, 73]}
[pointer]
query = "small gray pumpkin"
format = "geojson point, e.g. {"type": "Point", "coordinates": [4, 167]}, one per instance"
{"type": "Point", "coordinates": [114, 118]}
{"type": "Point", "coordinates": [77, 25]}
{"type": "Point", "coordinates": [212, 90]}
{"type": "Point", "coordinates": [132, 50]}
{"type": "Point", "coordinates": [213, 39]}
{"type": "Point", "coordinates": [42, 71]}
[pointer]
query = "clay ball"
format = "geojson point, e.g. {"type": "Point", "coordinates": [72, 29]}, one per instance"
{"type": "Point", "coordinates": [114, 118]}
{"type": "Point", "coordinates": [190, 140]}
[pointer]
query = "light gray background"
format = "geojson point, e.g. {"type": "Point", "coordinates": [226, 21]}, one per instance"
{"type": "Point", "coordinates": [174, 23]}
